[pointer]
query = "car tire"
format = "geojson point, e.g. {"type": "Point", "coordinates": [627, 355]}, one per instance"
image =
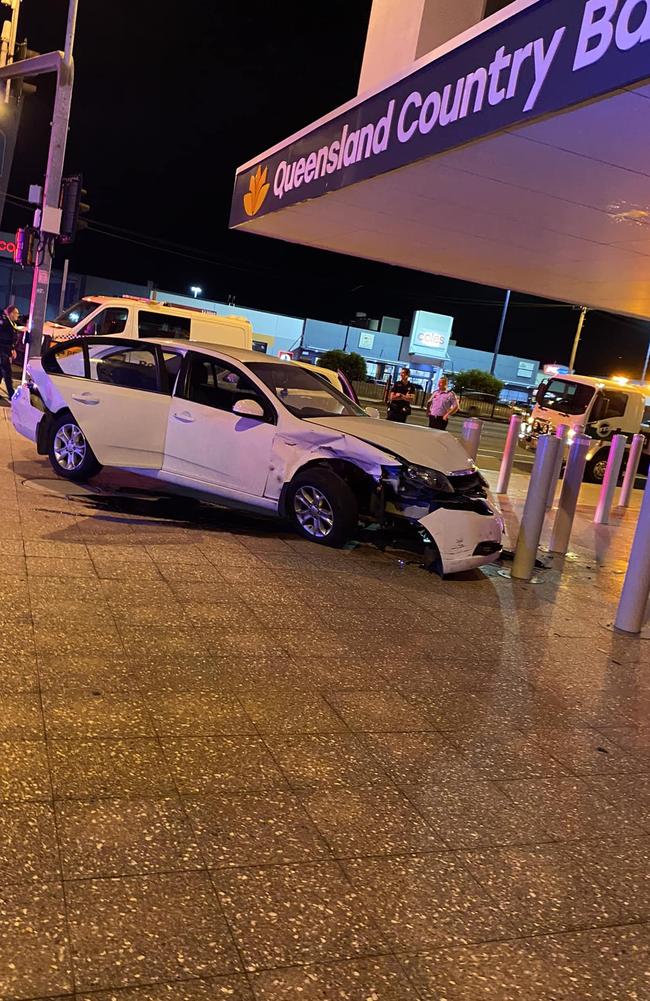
{"type": "Point", "coordinates": [322, 507]}
{"type": "Point", "coordinates": [69, 452]}
{"type": "Point", "coordinates": [595, 468]}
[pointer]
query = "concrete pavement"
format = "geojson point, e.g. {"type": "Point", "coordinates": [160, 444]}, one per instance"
{"type": "Point", "coordinates": [235, 764]}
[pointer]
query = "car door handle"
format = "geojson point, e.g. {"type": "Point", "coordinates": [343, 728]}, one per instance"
{"type": "Point", "coordinates": [184, 417]}
{"type": "Point", "coordinates": [92, 401]}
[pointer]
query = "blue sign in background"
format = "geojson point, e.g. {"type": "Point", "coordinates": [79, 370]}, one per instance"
{"type": "Point", "coordinates": [562, 89]}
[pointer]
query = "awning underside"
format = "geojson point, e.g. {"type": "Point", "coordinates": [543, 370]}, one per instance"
{"type": "Point", "coordinates": [558, 209]}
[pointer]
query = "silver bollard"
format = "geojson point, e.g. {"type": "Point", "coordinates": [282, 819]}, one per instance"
{"type": "Point", "coordinates": [509, 454]}
{"type": "Point", "coordinates": [532, 520]}
{"type": "Point", "coordinates": [472, 436]}
{"type": "Point", "coordinates": [631, 469]}
{"type": "Point", "coordinates": [616, 453]}
{"type": "Point", "coordinates": [561, 433]}
{"type": "Point", "coordinates": [568, 502]}
{"type": "Point", "coordinates": [636, 587]}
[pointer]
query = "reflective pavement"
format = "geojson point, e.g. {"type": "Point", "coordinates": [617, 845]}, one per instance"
{"type": "Point", "coordinates": [236, 765]}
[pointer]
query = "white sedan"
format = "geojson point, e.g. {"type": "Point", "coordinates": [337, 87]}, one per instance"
{"type": "Point", "coordinates": [246, 430]}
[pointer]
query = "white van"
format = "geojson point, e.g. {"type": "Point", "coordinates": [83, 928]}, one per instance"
{"type": "Point", "coordinates": [129, 316]}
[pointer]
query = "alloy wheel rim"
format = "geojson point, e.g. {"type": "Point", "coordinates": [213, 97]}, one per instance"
{"type": "Point", "coordinates": [69, 447]}
{"type": "Point", "coordinates": [313, 512]}
{"type": "Point", "coordinates": [599, 470]}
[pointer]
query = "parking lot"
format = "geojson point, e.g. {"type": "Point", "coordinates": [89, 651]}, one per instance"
{"type": "Point", "coordinates": [238, 765]}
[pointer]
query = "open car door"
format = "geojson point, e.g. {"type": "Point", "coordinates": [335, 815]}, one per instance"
{"type": "Point", "coordinates": [119, 392]}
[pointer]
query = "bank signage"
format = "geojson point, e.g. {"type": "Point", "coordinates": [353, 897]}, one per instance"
{"type": "Point", "coordinates": [546, 58]}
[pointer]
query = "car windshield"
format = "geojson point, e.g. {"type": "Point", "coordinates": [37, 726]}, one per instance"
{"type": "Point", "coordinates": [566, 397]}
{"type": "Point", "coordinates": [75, 314]}
{"type": "Point", "coordinates": [304, 393]}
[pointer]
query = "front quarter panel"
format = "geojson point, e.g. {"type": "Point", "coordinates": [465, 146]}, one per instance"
{"type": "Point", "coordinates": [295, 447]}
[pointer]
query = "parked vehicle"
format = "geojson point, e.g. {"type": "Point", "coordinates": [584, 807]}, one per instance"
{"type": "Point", "coordinates": [130, 316]}
{"type": "Point", "coordinates": [600, 408]}
{"type": "Point", "coordinates": [244, 429]}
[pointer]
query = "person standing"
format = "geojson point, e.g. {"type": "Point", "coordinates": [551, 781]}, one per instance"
{"type": "Point", "coordinates": [442, 404]}
{"type": "Point", "coordinates": [8, 337]}
{"type": "Point", "coordinates": [402, 395]}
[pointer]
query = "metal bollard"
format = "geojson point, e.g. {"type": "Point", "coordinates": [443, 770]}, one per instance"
{"type": "Point", "coordinates": [616, 453]}
{"type": "Point", "coordinates": [532, 520]}
{"type": "Point", "coordinates": [472, 436]}
{"type": "Point", "coordinates": [568, 502]}
{"type": "Point", "coordinates": [561, 433]}
{"type": "Point", "coordinates": [509, 454]}
{"type": "Point", "coordinates": [636, 587]}
{"type": "Point", "coordinates": [631, 469]}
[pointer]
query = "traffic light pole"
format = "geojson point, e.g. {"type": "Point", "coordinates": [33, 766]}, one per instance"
{"type": "Point", "coordinates": [48, 217]}
{"type": "Point", "coordinates": [52, 191]}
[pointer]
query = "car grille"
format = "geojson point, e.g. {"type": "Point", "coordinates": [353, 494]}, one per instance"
{"type": "Point", "coordinates": [540, 427]}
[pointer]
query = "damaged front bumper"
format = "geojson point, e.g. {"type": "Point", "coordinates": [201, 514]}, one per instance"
{"type": "Point", "coordinates": [464, 539]}
{"type": "Point", "coordinates": [461, 524]}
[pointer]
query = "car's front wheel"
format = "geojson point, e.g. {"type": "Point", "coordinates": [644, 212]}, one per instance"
{"type": "Point", "coordinates": [322, 507]}
{"type": "Point", "coordinates": [596, 467]}
{"type": "Point", "coordinates": [70, 453]}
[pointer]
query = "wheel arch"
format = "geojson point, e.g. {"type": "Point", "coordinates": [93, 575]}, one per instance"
{"type": "Point", "coordinates": [45, 427]}
{"type": "Point", "coordinates": [361, 482]}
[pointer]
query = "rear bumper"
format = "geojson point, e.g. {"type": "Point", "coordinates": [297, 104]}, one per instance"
{"type": "Point", "coordinates": [465, 539]}
{"type": "Point", "coordinates": [24, 416]}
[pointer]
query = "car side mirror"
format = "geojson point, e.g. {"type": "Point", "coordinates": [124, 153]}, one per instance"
{"type": "Point", "coordinates": [373, 412]}
{"type": "Point", "coordinates": [248, 408]}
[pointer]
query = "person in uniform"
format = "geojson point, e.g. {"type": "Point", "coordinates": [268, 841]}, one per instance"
{"type": "Point", "coordinates": [442, 404]}
{"type": "Point", "coordinates": [8, 338]}
{"type": "Point", "coordinates": [401, 397]}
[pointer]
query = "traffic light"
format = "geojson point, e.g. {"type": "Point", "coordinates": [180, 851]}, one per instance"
{"type": "Point", "coordinates": [73, 207]}
{"type": "Point", "coordinates": [22, 52]}
{"type": "Point", "coordinates": [26, 246]}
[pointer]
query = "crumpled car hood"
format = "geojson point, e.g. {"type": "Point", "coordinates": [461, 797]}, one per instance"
{"type": "Point", "coordinates": [421, 446]}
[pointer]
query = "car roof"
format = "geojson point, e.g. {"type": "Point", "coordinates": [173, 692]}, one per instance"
{"type": "Point", "coordinates": [225, 350]}
{"type": "Point", "coordinates": [591, 380]}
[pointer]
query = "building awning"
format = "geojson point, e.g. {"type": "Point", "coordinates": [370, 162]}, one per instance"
{"type": "Point", "coordinates": [518, 156]}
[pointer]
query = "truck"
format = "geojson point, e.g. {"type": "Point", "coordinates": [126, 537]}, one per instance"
{"type": "Point", "coordinates": [599, 408]}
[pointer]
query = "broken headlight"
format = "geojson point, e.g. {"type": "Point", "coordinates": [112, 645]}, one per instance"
{"type": "Point", "coordinates": [420, 476]}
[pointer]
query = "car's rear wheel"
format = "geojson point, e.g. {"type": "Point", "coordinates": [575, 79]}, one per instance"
{"type": "Point", "coordinates": [322, 507]}
{"type": "Point", "coordinates": [70, 453]}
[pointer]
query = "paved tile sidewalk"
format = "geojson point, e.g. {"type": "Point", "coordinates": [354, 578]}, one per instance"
{"type": "Point", "coordinates": [235, 765]}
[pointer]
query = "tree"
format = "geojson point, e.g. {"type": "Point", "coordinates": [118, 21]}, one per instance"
{"type": "Point", "coordinates": [475, 381]}
{"type": "Point", "coordinates": [350, 363]}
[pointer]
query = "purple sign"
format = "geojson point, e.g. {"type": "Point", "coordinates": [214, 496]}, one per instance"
{"type": "Point", "coordinates": [549, 57]}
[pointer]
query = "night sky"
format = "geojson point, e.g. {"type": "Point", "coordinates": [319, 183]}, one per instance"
{"type": "Point", "coordinates": [171, 97]}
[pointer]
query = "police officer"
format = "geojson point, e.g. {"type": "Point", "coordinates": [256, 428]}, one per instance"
{"type": "Point", "coordinates": [401, 397]}
{"type": "Point", "coordinates": [8, 337]}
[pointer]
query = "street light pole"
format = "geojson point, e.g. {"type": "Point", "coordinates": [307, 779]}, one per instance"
{"type": "Point", "coordinates": [576, 340]}
{"type": "Point", "coordinates": [497, 346]}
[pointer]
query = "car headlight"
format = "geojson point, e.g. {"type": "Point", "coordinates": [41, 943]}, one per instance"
{"type": "Point", "coordinates": [422, 477]}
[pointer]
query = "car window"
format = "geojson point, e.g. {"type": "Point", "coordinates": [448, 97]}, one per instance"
{"type": "Point", "coordinates": [109, 322]}
{"type": "Point", "coordinates": [616, 403]}
{"type": "Point", "coordinates": [303, 393]}
{"type": "Point", "coordinates": [132, 368]}
{"type": "Point", "coordinates": [68, 361]}
{"type": "Point", "coordinates": [75, 314]}
{"type": "Point", "coordinates": [172, 361]}
{"type": "Point", "coordinates": [212, 383]}
{"type": "Point", "coordinates": [163, 325]}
